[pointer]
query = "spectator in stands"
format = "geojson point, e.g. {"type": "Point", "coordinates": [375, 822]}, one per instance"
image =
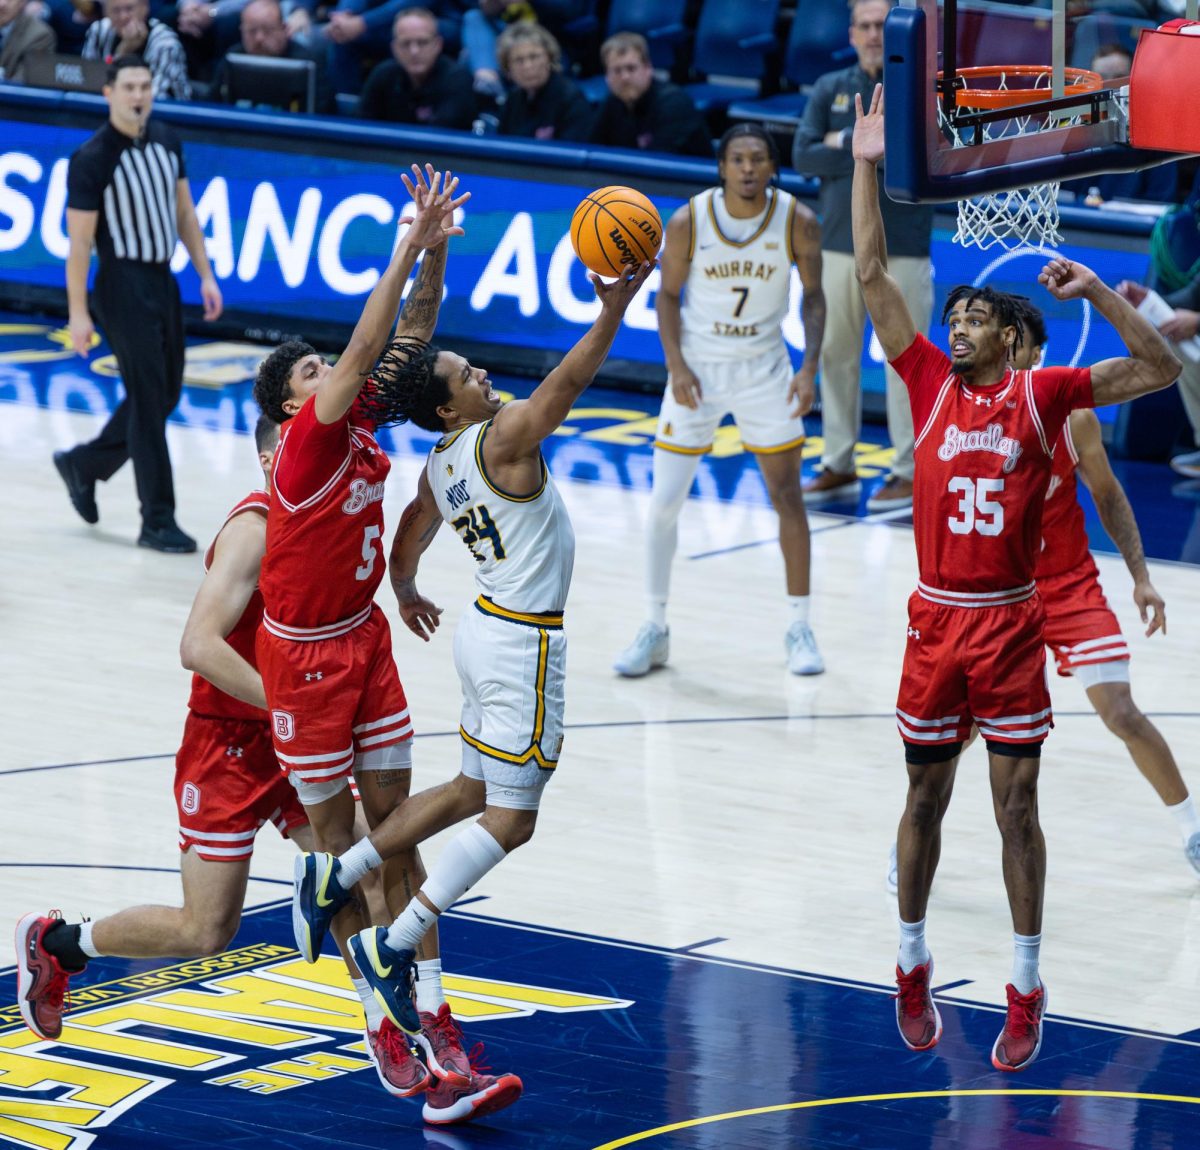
{"type": "Point", "coordinates": [419, 86]}
{"type": "Point", "coordinates": [265, 33]}
{"type": "Point", "coordinates": [642, 111]}
{"type": "Point", "coordinates": [484, 24]}
{"type": "Point", "coordinates": [1113, 63]}
{"type": "Point", "coordinates": [21, 34]}
{"type": "Point", "coordinates": [128, 29]}
{"type": "Point", "coordinates": [543, 103]}
{"type": "Point", "coordinates": [70, 20]}
{"type": "Point", "coordinates": [359, 34]}
{"type": "Point", "coordinates": [822, 148]}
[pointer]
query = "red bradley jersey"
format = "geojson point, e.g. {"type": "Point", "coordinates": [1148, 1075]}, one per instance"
{"type": "Point", "coordinates": [1064, 531]}
{"type": "Point", "coordinates": [325, 527]}
{"type": "Point", "coordinates": [206, 699]}
{"type": "Point", "coordinates": [981, 467]}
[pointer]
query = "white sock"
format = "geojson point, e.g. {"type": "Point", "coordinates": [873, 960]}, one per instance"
{"type": "Point", "coordinates": [461, 865]}
{"type": "Point", "coordinates": [1025, 962]}
{"type": "Point", "coordinates": [1186, 818]}
{"type": "Point", "coordinates": [355, 863]}
{"type": "Point", "coordinates": [798, 604]}
{"type": "Point", "coordinates": [913, 949]}
{"type": "Point", "coordinates": [430, 995]}
{"type": "Point", "coordinates": [371, 1007]}
{"type": "Point", "coordinates": [85, 940]}
{"type": "Point", "coordinates": [673, 475]}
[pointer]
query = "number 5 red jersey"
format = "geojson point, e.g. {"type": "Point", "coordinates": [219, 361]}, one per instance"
{"type": "Point", "coordinates": [982, 463]}
{"type": "Point", "coordinates": [325, 554]}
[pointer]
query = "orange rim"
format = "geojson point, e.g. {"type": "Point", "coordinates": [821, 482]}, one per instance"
{"type": "Point", "coordinates": [1079, 81]}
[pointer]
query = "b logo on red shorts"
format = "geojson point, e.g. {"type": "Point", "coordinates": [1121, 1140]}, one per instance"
{"type": "Point", "coordinates": [189, 799]}
{"type": "Point", "coordinates": [285, 725]}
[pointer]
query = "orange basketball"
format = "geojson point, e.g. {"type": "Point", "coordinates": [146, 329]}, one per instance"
{"type": "Point", "coordinates": [614, 230]}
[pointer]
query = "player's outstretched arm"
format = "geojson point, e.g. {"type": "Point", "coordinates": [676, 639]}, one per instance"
{"type": "Point", "coordinates": [418, 525]}
{"type": "Point", "coordinates": [520, 427]}
{"type": "Point", "coordinates": [1116, 514]}
{"type": "Point", "coordinates": [889, 313]}
{"type": "Point", "coordinates": [227, 588]}
{"type": "Point", "coordinates": [673, 273]}
{"type": "Point", "coordinates": [418, 316]}
{"type": "Point", "coordinates": [433, 194]}
{"type": "Point", "coordinates": [1150, 366]}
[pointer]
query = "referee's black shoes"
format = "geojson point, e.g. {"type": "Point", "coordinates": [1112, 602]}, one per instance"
{"type": "Point", "coordinates": [169, 539]}
{"type": "Point", "coordinates": [82, 493]}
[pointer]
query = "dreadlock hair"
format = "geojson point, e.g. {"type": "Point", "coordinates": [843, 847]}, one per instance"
{"type": "Point", "coordinates": [1032, 320]}
{"type": "Point", "coordinates": [273, 383]}
{"type": "Point", "coordinates": [266, 433]}
{"type": "Point", "coordinates": [755, 132]}
{"type": "Point", "coordinates": [404, 386]}
{"type": "Point", "coordinates": [1005, 306]}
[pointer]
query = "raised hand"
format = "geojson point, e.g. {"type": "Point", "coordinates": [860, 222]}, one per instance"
{"type": "Point", "coordinates": [868, 128]}
{"type": "Point", "coordinates": [434, 196]}
{"type": "Point", "coordinates": [618, 295]}
{"type": "Point", "coordinates": [1068, 279]}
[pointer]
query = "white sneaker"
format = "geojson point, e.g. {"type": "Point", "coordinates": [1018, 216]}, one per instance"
{"type": "Point", "coordinates": [803, 658]}
{"type": "Point", "coordinates": [651, 648]}
{"type": "Point", "coordinates": [1188, 464]}
{"type": "Point", "coordinates": [893, 881]}
{"type": "Point", "coordinates": [1192, 850]}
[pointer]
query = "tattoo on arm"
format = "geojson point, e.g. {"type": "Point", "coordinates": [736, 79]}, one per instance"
{"type": "Point", "coordinates": [1118, 519]}
{"type": "Point", "coordinates": [420, 309]}
{"type": "Point", "coordinates": [812, 316]}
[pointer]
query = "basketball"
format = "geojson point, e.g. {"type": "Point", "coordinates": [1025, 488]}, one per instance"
{"type": "Point", "coordinates": [614, 230]}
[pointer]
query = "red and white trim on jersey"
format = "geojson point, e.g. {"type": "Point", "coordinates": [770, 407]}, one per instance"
{"type": "Point", "coordinates": [1016, 728]}
{"type": "Point", "coordinates": [1109, 649]}
{"type": "Point", "coordinates": [318, 768]}
{"type": "Point", "coordinates": [311, 634]}
{"type": "Point", "coordinates": [1036, 415]}
{"type": "Point", "coordinates": [943, 730]}
{"type": "Point", "coordinates": [394, 728]}
{"type": "Point", "coordinates": [975, 598]}
{"type": "Point", "coordinates": [318, 496]}
{"type": "Point", "coordinates": [948, 385]}
{"type": "Point", "coordinates": [228, 845]}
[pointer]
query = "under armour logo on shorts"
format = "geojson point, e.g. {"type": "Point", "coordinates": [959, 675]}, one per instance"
{"type": "Point", "coordinates": [233, 752]}
{"type": "Point", "coordinates": [310, 676]}
{"type": "Point", "coordinates": [189, 799]}
{"type": "Point", "coordinates": [285, 725]}
{"type": "Point", "coordinates": [913, 633]}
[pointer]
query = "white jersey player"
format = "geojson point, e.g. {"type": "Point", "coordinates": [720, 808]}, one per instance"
{"type": "Point", "coordinates": [729, 254]}
{"type": "Point", "coordinates": [488, 480]}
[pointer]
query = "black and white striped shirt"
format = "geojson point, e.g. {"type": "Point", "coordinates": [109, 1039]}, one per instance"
{"type": "Point", "coordinates": [132, 185]}
{"type": "Point", "coordinates": [162, 52]}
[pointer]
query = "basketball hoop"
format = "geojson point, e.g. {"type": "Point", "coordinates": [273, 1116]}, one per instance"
{"type": "Point", "coordinates": [1020, 216]}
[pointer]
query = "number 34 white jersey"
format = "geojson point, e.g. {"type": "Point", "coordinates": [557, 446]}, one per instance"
{"type": "Point", "coordinates": [524, 545]}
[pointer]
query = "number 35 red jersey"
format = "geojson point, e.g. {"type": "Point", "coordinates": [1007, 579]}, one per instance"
{"type": "Point", "coordinates": [982, 463]}
{"type": "Point", "coordinates": [324, 556]}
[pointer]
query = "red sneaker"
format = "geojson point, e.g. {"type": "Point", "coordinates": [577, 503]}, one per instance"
{"type": "Point", "coordinates": [446, 1105]}
{"type": "Point", "coordinates": [444, 1051]}
{"type": "Point", "coordinates": [400, 1070]}
{"type": "Point", "coordinates": [41, 981]}
{"type": "Point", "coordinates": [916, 1012]}
{"type": "Point", "coordinates": [1021, 1038]}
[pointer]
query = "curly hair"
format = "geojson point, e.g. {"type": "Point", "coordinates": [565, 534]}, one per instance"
{"type": "Point", "coordinates": [1007, 308]}
{"type": "Point", "coordinates": [404, 386]}
{"type": "Point", "coordinates": [273, 383]}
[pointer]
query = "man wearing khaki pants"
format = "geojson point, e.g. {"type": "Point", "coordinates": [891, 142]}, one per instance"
{"type": "Point", "coordinates": [822, 149]}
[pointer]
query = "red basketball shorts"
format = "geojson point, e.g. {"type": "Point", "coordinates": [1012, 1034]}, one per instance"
{"type": "Point", "coordinates": [1081, 629]}
{"type": "Point", "coordinates": [332, 699]}
{"type": "Point", "coordinates": [982, 665]}
{"type": "Point", "coordinates": [227, 785]}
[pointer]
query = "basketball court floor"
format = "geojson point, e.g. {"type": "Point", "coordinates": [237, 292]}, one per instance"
{"type": "Point", "coordinates": [696, 948]}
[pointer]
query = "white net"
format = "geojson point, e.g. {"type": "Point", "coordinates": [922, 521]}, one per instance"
{"type": "Point", "coordinates": [1017, 217]}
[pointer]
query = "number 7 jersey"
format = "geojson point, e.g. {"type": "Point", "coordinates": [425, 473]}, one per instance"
{"type": "Point", "coordinates": [982, 464]}
{"type": "Point", "coordinates": [523, 545]}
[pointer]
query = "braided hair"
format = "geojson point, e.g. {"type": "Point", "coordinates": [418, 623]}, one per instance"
{"type": "Point", "coordinates": [1008, 309]}
{"type": "Point", "coordinates": [404, 386]}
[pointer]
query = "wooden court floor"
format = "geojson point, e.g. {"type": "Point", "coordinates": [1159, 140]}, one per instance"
{"type": "Point", "coordinates": [719, 809]}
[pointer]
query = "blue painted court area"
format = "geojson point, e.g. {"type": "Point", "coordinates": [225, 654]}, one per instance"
{"type": "Point", "coordinates": [607, 439]}
{"type": "Point", "coordinates": [618, 1045]}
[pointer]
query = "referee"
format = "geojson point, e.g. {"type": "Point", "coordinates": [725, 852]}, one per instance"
{"type": "Point", "coordinates": [127, 193]}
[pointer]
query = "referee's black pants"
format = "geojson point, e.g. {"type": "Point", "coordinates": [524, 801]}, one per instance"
{"type": "Point", "coordinates": [137, 305]}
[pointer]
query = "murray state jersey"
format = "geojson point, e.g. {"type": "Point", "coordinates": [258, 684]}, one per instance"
{"type": "Point", "coordinates": [524, 545]}
{"type": "Point", "coordinates": [324, 556]}
{"type": "Point", "coordinates": [981, 468]}
{"type": "Point", "coordinates": [736, 293]}
{"type": "Point", "coordinates": [1064, 532]}
{"type": "Point", "coordinates": [206, 699]}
